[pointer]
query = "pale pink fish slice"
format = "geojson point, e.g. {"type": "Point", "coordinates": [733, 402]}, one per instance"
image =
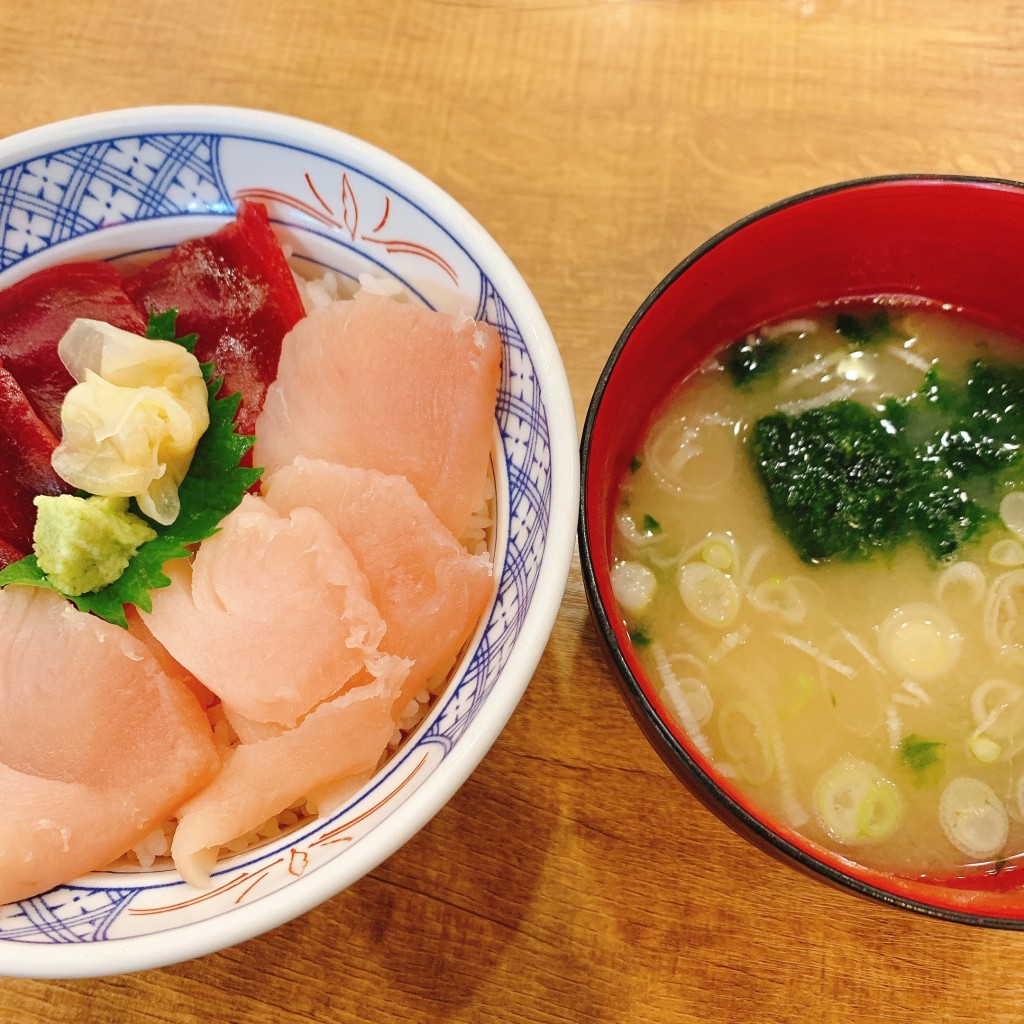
{"type": "Point", "coordinates": [97, 744]}
{"type": "Point", "coordinates": [342, 738]}
{"type": "Point", "coordinates": [385, 385]}
{"type": "Point", "coordinates": [52, 831]}
{"type": "Point", "coordinates": [142, 632]}
{"type": "Point", "coordinates": [274, 614]}
{"type": "Point", "coordinates": [430, 591]}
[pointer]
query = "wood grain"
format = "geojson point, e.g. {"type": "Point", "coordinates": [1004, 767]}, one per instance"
{"type": "Point", "coordinates": [571, 879]}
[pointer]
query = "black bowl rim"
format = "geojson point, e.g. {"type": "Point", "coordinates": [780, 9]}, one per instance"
{"type": "Point", "coordinates": [672, 752]}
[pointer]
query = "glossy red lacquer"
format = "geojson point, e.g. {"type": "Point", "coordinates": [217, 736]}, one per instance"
{"type": "Point", "coordinates": [943, 239]}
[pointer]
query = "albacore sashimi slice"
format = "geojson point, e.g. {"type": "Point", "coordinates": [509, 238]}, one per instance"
{"type": "Point", "coordinates": [430, 591]}
{"type": "Point", "coordinates": [97, 744]}
{"type": "Point", "coordinates": [381, 384]}
{"type": "Point", "coordinates": [138, 628]}
{"type": "Point", "coordinates": [342, 738]}
{"type": "Point", "coordinates": [53, 831]}
{"type": "Point", "coordinates": [274, 614]}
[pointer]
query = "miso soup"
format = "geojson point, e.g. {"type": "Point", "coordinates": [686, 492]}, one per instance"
{"type": "Point", "coordinates": [819, 555]}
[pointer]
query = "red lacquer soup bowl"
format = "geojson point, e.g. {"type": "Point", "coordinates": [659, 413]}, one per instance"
{"type": "Point", "coordinates": [948, 240]}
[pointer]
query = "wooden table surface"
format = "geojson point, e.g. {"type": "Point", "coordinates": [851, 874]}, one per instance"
{"type": "Point", "coordinates": [599, 141]}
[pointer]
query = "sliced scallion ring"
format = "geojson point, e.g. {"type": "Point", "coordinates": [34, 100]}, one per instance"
{"type": "Point", "coordinates": [856, 803]}
{"type": "Point", "coordinates": [1011, 511]}
{"type": "Point", "coordinates": [709, 594]}
{"type": "Point", "coordinates": [1007, 552]}
{"type": "Point", "coordinates": [984, 748]}
{"type": "Point", "coordinates": [919, 641]}
{"type": "Point", "coordinates": [973, 818]}
{"type": "Point", "coordinates": [633, 585]}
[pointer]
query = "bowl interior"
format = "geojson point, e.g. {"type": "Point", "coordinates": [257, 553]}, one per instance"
{"type": "Point", "coordinates": [122, 186]}
{"type": "Point", "coordinates": [947, 240]}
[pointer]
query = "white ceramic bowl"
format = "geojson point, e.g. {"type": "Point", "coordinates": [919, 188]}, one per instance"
{"type": "Point", "coordinates": [125, 182]}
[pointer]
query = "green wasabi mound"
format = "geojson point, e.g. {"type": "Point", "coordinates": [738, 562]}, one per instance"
{"type": "Point", "coordinates": [84, 544]}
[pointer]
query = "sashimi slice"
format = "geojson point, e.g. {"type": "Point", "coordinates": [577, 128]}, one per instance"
{"type": "Point", "coordinates": [26, 445]}
{"type": "Point", "coordinates": [35, 313]}
{"type": "Point", "coordinates": [233, 289]}
{"type": "Point", "coordinates": [430, 591]}
{"type": "Point", "coordinates": [274, 614]}
{"type": "Point", "coordinates": [52, 831]}
{"type": "Point", "coordinates": [45, 823]}
{"type": "Point", "coordinates": [342, 738]}
{"type": "Point", "coordinates": [325, 799]}
{"type": "Point", "coordinates": [248, 730]}
{"type": "Point", "coordinates": [381, 384]}
{"type": "Point", "coordinates": [174, 669]}
{"type": "Point", "coordinates": [90, 724]}
{"type": "Point", "coordinates": [9, 554]}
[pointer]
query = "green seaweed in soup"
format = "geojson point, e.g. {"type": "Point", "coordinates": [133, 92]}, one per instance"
{"type": "Point", "coordinates": [832, 603]}
{"type": "Point", "coordinates": [847, 480]}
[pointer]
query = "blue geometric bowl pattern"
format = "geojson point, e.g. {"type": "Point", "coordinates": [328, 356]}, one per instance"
{"type": "Point", "coordinates": [129, 193]}
{"type": "Point", "coordinates": [73, 192]}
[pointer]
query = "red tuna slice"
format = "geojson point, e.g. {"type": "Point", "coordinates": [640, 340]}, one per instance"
{"type": "Point", "coordinates": [90, 725]}
{"type": "Point", "coordinates": [35, 313]}
{"type": "Point", "coordinates": [381, 384]}
{"type": "Point", "coordinates": [233, 289]}
{"type": "Point", "coordinates": [26, 445]}
{"type": "Point", "coordinates": [9, 554]}
{"type": "Point", "coordinates": [274, 615]}
{"type": "Point", "coordinates": [343, 738]}
{"type": "Point", "coordinates": [430, 591]}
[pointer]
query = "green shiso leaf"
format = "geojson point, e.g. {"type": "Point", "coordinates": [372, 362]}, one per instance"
{"type": "Point", "coordinates": [25, 573]}
{"type": "Point", "coordinates": [161, 328]}
{"type": "Point", "coordinates": [214, 485]}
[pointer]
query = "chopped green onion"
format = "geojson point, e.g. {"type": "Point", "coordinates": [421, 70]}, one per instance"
{"type": "Point", "coordinates": [709, 594]}
{"type": "Point", "coordinates": [650, 524]}
{"type": "Point", "coordinates": [639, 638]}
{"type": "Point", "coordinates": [973, 818]}
{"type": "Point", "coordinates": [633, 585]}
{"type": "Point", "coordinates": [804, 691]}
{"type": "Point", "coordinates": [984, 748]}
{"type": "Point", "coordinates": [1008, 552]}
{"type": "Point", "coordinates": [718, 554]}
{"type": "Point", "coordinates": [919, 754]}
{"type": "Point", "coordinates": [856, 804]}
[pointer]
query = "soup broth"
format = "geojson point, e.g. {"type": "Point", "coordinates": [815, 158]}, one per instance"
{"type": "Point", "coordinates": [871, 699]}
